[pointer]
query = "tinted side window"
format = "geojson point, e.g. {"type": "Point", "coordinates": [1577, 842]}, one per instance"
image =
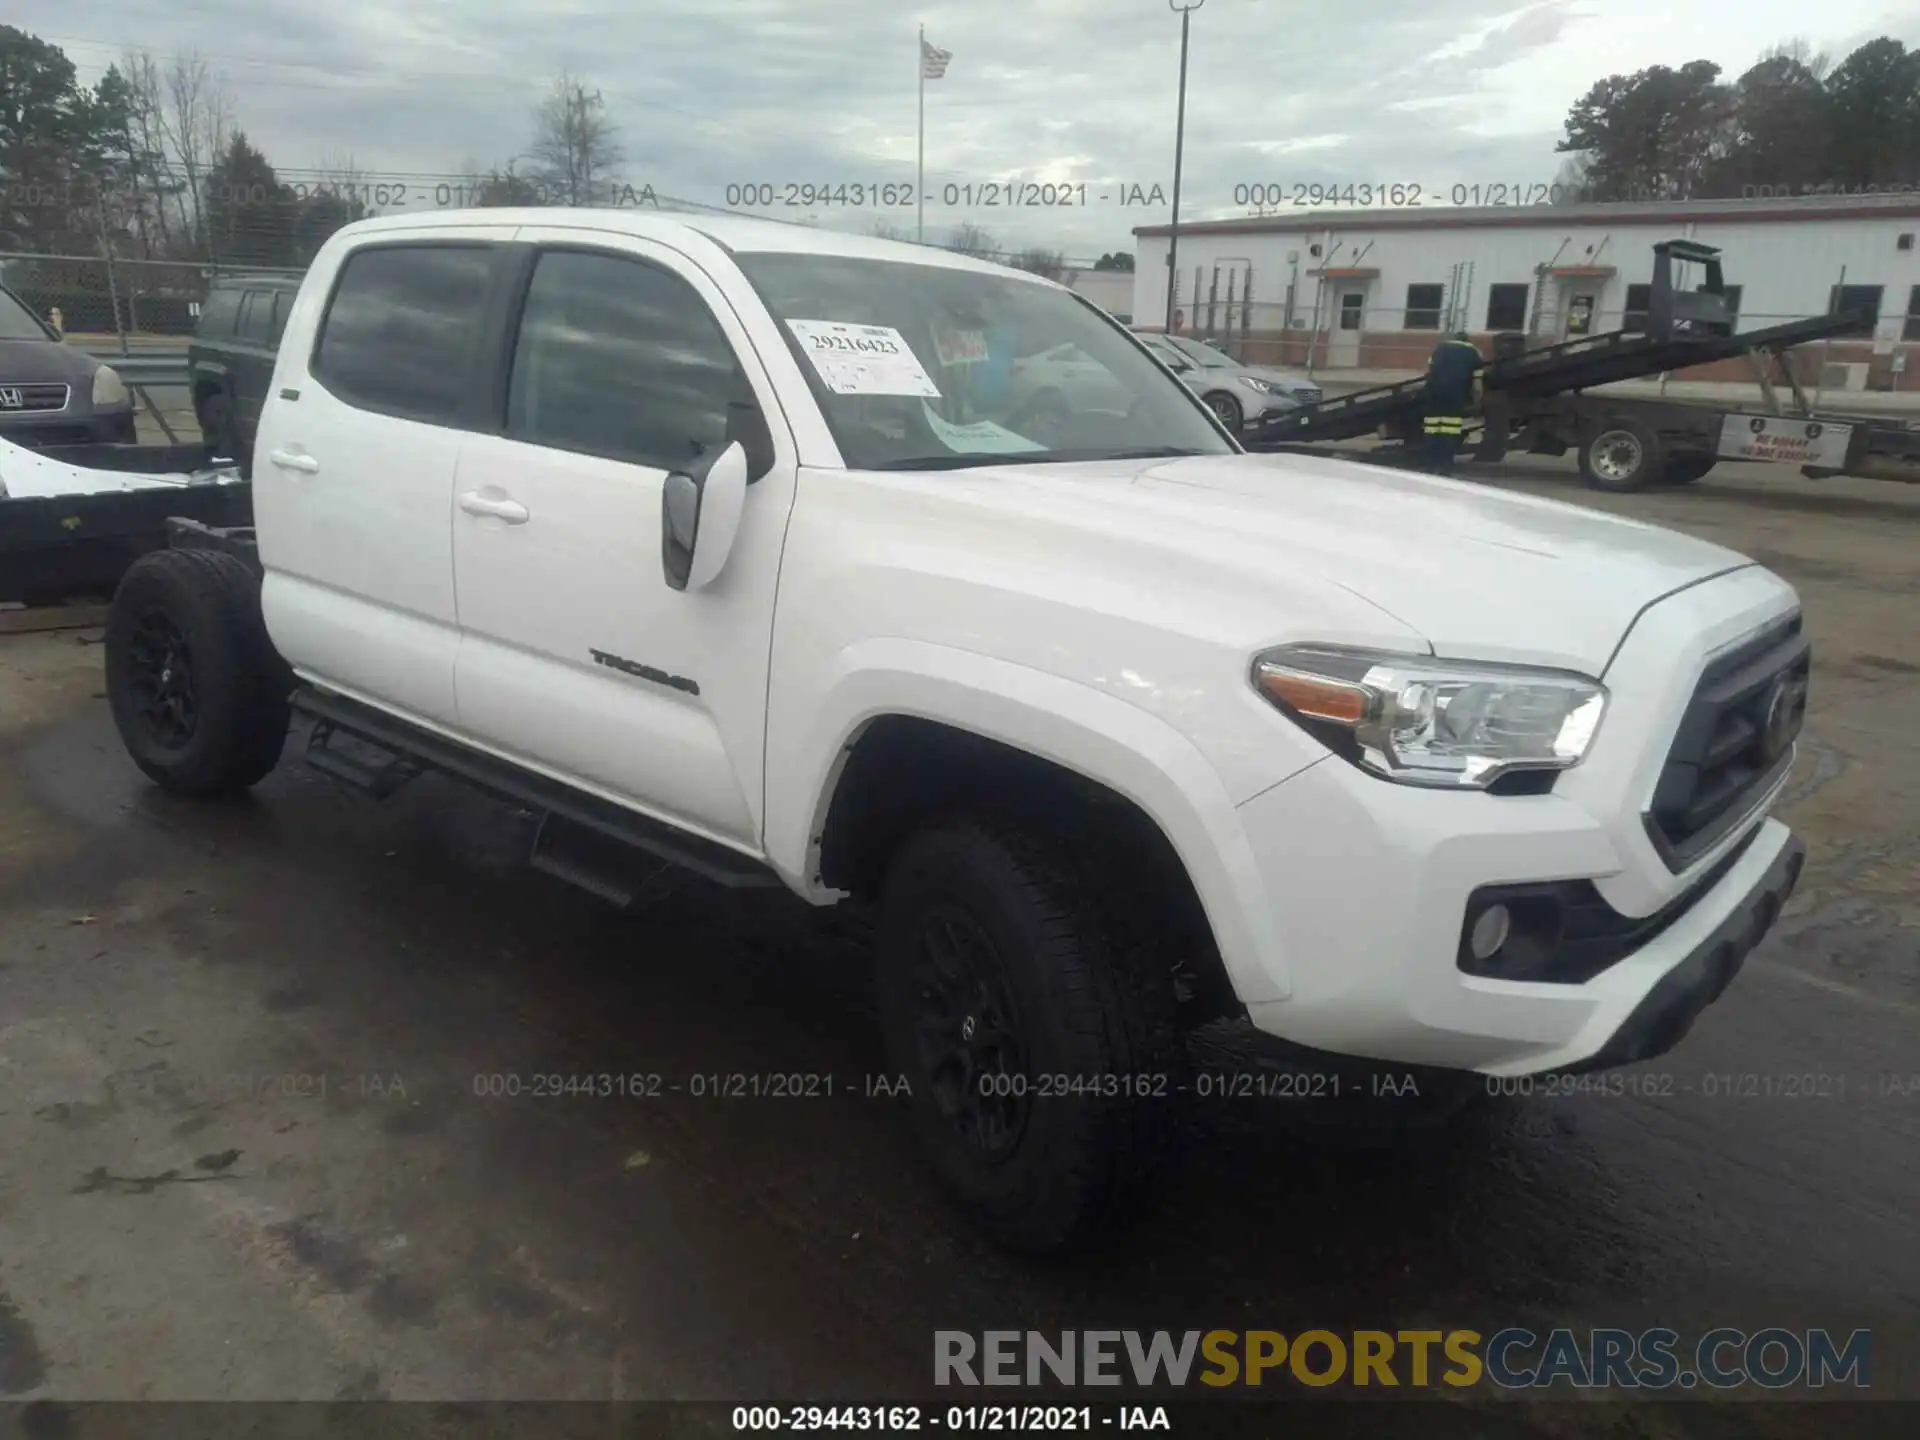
{"type": "Point", "coordinates": [256, 316]}
{"type": "Point", "coordinates": [403, 331]}
{"type": "Point", "coordinates": [619, 358]}
{"type": "Point", "coordinates": [222, 309]}
{"type": "Point", "coordinates": [282, 306]}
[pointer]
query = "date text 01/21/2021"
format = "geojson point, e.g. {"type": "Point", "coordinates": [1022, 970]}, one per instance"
{"type": "Point", "coordinates": [1004, 194]}
{"type": "Point", "coordinates": [1398, 194]}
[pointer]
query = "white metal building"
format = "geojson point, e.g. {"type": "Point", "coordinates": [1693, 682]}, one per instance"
{"type": "Point", "coordinates": [1373, 289]}
{"type": "Point", "coordinates": [1111, 290]}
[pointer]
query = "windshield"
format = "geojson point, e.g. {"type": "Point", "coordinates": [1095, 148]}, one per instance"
{"type": "Point", "coordinates": [931, 367]}
{"type": "Point", "coordinates": [17, 322]}
{"type": "Point", "coordinates": [1203, 354]}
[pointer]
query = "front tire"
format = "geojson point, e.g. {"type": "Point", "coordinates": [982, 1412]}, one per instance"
{"type": "Point", "coordinates": [198, 693]}
{"type": "Point", "coordinates": [1038, 1040]}
{"type": "Point", "coordinates": [1228, 410]}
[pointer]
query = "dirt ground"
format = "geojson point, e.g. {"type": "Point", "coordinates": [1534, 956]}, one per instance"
{"type": "Point", "coordinates": [246, 1149]}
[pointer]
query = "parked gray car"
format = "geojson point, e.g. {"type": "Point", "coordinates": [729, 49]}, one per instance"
{"type": "Point", "coordinates": [52, 393]}
{"type": "Point", "coordinates": [1239, 394]}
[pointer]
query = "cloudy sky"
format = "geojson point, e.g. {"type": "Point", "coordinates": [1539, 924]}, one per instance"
{"type": "Point", "coordinates": [712, 92]}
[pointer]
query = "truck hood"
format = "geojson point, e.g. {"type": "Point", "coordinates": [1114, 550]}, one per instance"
{"type": "Point", "coordinates": [1479, 573]}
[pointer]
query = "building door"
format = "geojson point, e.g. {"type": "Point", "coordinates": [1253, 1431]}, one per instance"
{"type": "Point", "coordinates": [1581, 305]}
{"type": "Point", "coordinates": [1350, 318]}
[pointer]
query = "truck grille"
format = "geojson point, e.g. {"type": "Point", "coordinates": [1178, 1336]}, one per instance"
{"type": "Point", "coordinates": [1734, 743]}
{"type": "Point", "coordinates": [20, 398]}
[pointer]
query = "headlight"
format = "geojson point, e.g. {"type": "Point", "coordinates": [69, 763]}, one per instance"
{"type": "Point", "coordinates": [1423, 721]}
{"type": "Point", "coordinates": [109, 390]}
{"type": "Point", "coordinates": [1262, 386]}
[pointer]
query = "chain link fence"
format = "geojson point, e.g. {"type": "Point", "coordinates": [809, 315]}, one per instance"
{"type": "Point", "coordinates": [132, 302]}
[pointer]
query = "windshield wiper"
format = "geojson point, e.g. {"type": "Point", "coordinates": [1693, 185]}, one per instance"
{"type": "Point", "coordinates": [1152, 452]}
{"type": "Point", "coordinates": [950, 462]}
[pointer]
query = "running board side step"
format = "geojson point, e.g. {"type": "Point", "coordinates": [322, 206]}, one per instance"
{"type": "Point", "coordinates": [583, 839]}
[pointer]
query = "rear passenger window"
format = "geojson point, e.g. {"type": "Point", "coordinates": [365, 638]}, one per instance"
{"type": "Point", "coordinates": [620, 358]}
{"type": "Point", "coordinates": [218, 315]}
{"type": "Point", "coordinates": [256, 316]}
{"type": "Point", "coordinates": [282, 303]}
{"type": "Point", "coordinates": [403, 331]}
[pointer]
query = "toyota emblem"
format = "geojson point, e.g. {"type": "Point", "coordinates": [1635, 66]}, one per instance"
{"type": "Point", "coordinates": [1786, 706]}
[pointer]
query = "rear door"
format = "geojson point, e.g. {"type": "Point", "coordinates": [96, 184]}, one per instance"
{"type": "Point", "coordinates": [576, 656]}
{"type": "Point", "coordinates": [251, 362]}
{"type": "Point", "coordinates": [386, 368]}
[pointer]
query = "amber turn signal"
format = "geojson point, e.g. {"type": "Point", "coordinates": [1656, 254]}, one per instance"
{"type": "Point", "coordinates": [1315, 697]}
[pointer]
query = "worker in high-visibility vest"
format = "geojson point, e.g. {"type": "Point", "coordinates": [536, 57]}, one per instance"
{"type": "Point", "coordinates": [1453, 383]}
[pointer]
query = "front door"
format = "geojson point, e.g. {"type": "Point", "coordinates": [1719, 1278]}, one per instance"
{"type": "Point", "coordinates": [576, 657]}
{"type": "Point", "coordinates": [1581, 307]}
{"type": "Point", "coordinates": [1350, 318]}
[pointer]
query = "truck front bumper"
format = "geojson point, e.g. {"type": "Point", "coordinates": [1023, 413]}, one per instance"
{"type": "Point", "coordinates": [1374, 897]}
{"type": "Point", "coordinates": [1661, 1020]}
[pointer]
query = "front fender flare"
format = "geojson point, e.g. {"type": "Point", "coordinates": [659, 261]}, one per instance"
{"type": "Point", "coordinates": [1121, 746]}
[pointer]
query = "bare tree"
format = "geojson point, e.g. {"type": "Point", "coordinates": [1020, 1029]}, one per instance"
{"type": "Point", "coordinates": [1040, 261]}
{"type": "Point", "coordinates": [1571, 185]}
{"type": "Point", "coordinates": [1801, 52]}
{"type": "Point", "coordinates": [969, 239]}
{"type": "Point", "coordinates": [885, 229]}
{"type": "Point", "coordinates": [151, 184]}
{"type": "Point", "coordinates": [196, 114]}
{"type": "Point", "coordinates": [576, 148]}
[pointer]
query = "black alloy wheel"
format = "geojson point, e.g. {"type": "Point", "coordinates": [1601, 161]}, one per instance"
{"type": "Point", "coordinates": [967, 1031]}
{"type": "Point", "coordinates": [161, 672]}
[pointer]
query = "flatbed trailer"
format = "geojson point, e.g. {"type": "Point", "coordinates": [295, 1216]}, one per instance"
{"type": "Point", "coordinates": [1538, 401]}
{"type": "Point", "coordinates": [63, 543]}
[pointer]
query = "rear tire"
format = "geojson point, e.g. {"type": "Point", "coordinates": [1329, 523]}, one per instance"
{"type": "Point", "coordinates": [198, 693]}
{"type": "Point", "coordinates": [1007, 973]}
{"type": "Point", "coordinates": [1622, 454]}
{"type": "Point", "coordinates": [1685, 469]}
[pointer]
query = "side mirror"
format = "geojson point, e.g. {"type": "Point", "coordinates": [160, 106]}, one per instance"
{"type": "Point", "coordinates": [699, 518]}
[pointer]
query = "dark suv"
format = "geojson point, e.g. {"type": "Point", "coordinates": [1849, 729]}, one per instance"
{"type": "Point", "coordinates": [52, 393]}
{"type": "Point", "coordinates": [230, 363]}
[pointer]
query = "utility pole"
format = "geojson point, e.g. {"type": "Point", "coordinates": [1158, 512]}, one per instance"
{"type": "Point", "coordinates": [1179, 144]}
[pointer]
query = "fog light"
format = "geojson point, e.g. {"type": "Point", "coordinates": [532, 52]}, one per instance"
{"type": "Point", "coordinates": [1490, 932]}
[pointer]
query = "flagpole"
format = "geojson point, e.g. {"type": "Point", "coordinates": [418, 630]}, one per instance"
{"type": "Point", "coordinates": [920, 187]}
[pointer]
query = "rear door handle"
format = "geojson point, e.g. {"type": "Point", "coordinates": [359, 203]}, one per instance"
{"type": "Point", "coordinates": [511, 511]}
{"type": "Point", "coordinates": [288, 460]}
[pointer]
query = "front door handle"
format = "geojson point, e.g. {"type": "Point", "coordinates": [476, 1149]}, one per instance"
{"type": "Point", "coordinates": [511, 511]}
{"type": "Point", "coordinates": [288, 460]}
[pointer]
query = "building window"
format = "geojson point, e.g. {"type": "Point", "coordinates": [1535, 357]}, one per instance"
{"type": "Point", "coordinates": [1639, 299]}
{"type": "Point", "coordinates": [1911, 330]}
{"type": "Point", "coordinates": [1843, 298]}
{"type": "Point", "coordinates": [1353, 310]}
{"type": "Point", "coordinates": [1507, 306]}
{"type": "Point", "coordinates": [1423, 306]}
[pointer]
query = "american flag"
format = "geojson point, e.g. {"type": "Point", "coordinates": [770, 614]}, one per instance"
{"type": "Point", "coordinates": [933, 61]}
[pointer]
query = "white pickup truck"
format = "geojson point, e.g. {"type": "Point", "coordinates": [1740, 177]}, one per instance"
{"type": "Point", "coordinates": [734, 542]}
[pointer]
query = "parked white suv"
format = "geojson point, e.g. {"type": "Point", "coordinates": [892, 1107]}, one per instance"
{"type": "Point", "coordinates": [719, 539]}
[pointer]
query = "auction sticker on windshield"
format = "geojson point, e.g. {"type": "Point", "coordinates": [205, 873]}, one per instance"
{"type": "Point", "coordinates": [863, 359]}
{"type": "Point", "coordinates": [960, 347]}
{"type": "Point", "coordinates": [982, 437]}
